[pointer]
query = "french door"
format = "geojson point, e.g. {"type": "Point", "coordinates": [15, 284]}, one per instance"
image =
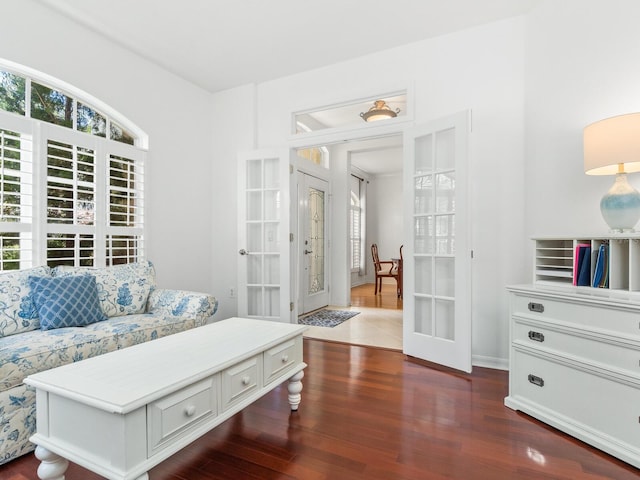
{"type": "Point", "coordinates": [437, 257]}
{"type": "Point", "coordinates": [264, 273]}
{"type": "Point", "coordinates": [313, 207]}
{"type": "Point", "coordinates": [437, 254]}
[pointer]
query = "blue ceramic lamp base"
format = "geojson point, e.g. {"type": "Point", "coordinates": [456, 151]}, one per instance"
{"type": "Point", "coordinates": [620, 206]}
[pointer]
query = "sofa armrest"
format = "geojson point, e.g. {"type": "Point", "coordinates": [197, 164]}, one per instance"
{"type": "Point", "coordinates": [181, 303]}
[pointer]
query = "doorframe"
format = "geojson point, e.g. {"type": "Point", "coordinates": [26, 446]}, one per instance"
{"type": "Point", "coordinates": [313, 139]}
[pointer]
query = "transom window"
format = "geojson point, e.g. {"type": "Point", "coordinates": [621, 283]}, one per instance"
{"type": "Point", "coordinates": [71, 177]}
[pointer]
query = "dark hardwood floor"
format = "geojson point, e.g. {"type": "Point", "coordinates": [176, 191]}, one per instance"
{"type": "Point", "coordinates": [362, 296]}
{"type": "Point", "coordinates": [368, 413]}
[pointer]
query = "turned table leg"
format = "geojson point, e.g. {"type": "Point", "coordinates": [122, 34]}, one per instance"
{"type": "Point", "coordinates": [295, 387]}
{"type": "Point", "coordinates": [52, 466]}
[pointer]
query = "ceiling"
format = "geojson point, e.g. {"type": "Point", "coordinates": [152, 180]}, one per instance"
{"type": "Point", "coordinates": [220, 44]}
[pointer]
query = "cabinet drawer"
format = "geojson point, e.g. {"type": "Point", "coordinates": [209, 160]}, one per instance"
{"type": "Point", "coordinates": [605, 317]}
{"type": "Point", "coordinates": [240, 381]}
{"type": "Point", "coordinates": [173, 415]}
{"type": "Point", "coordinates": [283, 357]}
{"type": "Point", "coordinates": [615, 353]}
{"type": "Point", "coordinates": [579, 398]}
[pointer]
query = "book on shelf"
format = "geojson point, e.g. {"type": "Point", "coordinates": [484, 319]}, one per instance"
{"type": "Point", "coordinates": [582, 255]}
{"type": "Point", "coordinates": [601, 272]}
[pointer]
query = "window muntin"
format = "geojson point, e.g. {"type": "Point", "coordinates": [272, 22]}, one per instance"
{"type": "Point", "coordinates": [53, 105]}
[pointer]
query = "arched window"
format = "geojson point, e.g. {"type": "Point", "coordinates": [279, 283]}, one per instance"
{"type": "Point", "coordinates": [71, 176]}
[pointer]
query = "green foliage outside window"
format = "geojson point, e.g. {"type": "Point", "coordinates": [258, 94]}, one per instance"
{"type": "Point", "coordinates": [12, 93]}
{"type": "Point", "coordinates": [56, 107]}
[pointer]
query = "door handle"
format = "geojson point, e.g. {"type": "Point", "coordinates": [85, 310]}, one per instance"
{"type": "Point", "coordinates": [242, 251]}
{"type": "Point", "coordinates": [307, 252]}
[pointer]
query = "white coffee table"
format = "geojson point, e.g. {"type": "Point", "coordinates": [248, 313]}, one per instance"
{"type": "Point", "coordinates": [122, 413]}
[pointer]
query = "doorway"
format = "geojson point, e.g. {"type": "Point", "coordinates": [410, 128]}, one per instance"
{"type": "Point", "coordinates": [378, 163]}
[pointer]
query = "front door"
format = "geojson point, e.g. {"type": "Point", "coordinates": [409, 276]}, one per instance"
{"type": "Point", "coordinates": [437, 256]}
{"type": "Point", "coordinates": [313, 198]}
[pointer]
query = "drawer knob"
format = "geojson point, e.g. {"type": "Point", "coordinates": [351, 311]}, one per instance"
{"type": "Point", "coordinates": [536, 336]}
{"type": "Point", "coordinates": [246, 380]}
{"type": "Point", "coordinates": [536, 307]}
{"type": "Point", "coordinates": [285, 358]}
{"type": "Point", "coordinates": [536, 380]}
{"type": "Point", "coordinates": [190, 411]}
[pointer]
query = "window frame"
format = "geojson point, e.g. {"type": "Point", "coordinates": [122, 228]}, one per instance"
{"type": "Point", "coordinates": [39, 133]}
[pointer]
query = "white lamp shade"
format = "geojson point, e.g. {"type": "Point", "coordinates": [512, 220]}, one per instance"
{"type": "Point", "coordinates": [611, 142]}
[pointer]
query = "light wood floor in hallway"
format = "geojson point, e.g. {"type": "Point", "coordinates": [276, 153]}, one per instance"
{"type": "Point", "coordinates": [379, 323]}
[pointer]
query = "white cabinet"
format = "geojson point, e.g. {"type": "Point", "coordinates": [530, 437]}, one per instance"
{"type": "Point", "coordinates": [575, 364]}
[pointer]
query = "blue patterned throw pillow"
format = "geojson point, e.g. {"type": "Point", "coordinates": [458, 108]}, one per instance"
{"type": "Point", "coordinates": [66, 301]}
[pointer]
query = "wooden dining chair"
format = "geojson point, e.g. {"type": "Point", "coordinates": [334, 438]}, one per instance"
{"type": "Point", "coordinates": [381, 269]}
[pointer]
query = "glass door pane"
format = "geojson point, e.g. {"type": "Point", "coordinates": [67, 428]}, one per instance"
{"type": "Point", "coordinates": [262, 230]}
{"type": "Point", "coordinates": [434, 180]}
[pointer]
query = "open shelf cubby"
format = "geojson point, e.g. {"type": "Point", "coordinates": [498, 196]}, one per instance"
{"type": "Point", "coordinates": [555, 257]}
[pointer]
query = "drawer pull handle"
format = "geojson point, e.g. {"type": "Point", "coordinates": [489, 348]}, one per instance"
{"type": "Point", "coordinates": [190, 411]}
{"type": "Point", "coordinates": [536, 336]}
{"type": "Point", "coordinates": [536, 307]}
{"type": "Point", "coordinates": [285, 358]}
{"type": "Point", "coordinates": [536, 380]}
{"type": "Point", "coordinates": [246, 380]}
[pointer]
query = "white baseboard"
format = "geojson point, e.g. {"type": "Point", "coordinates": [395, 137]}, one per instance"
{"type": "Point", "coordinates": [490, 362]}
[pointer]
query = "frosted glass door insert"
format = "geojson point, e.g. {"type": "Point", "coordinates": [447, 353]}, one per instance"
{"type": "Point", "coordinates": [312, 217]}
{"type": "Point", "coordinates": [316, 238]}
{"type": "Point", "coordinates": [436, 318]}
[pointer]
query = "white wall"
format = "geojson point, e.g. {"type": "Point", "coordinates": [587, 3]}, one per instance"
{"type": "Point", "coordinates": [480, 69]}
{"type": "Point", "coordinates": [179, 169]}
{"type": "Point", "coordinates": [582, 66]}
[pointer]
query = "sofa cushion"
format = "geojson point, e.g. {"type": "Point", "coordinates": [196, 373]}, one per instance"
{"type": "Point", "coordinates": [17, 312]}
{"type": "Point", "coordinates": [122, 289]}
{"type": "Point", "coordinates": [66, 301]}
{"type": "Point", "coordinates": [39, 350]}
{"type": "Point", "coordinates": [36, 351]}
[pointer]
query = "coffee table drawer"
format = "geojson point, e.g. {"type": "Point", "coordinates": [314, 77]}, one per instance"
{"type": "Point", "coordinates": [173, 415]}
{"type": "Point", "coordinates": [279, 359]}
{"type": "Point", "coordinates": [240, 381]}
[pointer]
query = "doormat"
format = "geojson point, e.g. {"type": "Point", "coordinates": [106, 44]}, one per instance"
{"type": "Point", "coordinates": [326, 318]}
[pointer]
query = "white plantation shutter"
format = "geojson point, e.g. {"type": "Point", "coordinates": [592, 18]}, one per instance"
{"type": "Point", "coordinates": [93, 209]}
{"type": "Point", "coordinates": [16, 195]}
{"type": "Point", "coordinates": [124, 241]}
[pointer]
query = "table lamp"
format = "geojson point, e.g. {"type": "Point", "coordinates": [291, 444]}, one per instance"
{"type": "Point", "coordinates": [612, 147]}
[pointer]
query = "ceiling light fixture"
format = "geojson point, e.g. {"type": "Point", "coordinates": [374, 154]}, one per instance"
{"type": "Point", "coordinates": [379, 111]}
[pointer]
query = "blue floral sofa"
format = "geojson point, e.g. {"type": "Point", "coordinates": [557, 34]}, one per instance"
{"type": "Point", "coordinates": [51, 317]}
